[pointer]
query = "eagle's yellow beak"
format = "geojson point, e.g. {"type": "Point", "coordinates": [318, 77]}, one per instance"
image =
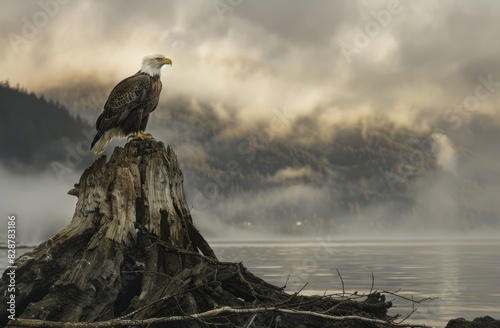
{"type": "Point", "coordinates": [167, 61]}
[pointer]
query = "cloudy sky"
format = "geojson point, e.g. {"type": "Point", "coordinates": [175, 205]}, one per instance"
{"type": "Point", "coordinates": [389, 57]}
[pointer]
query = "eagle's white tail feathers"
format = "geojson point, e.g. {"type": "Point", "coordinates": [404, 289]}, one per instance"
{"type": "Point", "coordinates": [100, 146]}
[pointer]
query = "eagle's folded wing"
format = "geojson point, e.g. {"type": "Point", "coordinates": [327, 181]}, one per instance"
{"type": "Point", "coordinates": [126, 96]}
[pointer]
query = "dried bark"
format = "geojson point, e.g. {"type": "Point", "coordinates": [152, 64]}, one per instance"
{"type": "Point", "coordinates": [132, 253]}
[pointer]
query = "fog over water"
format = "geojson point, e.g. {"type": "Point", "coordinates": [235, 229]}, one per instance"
{"type": "Point", "coordinates": [40, 203]}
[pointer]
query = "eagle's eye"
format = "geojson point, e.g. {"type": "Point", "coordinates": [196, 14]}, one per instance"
{"type": "Point", "coordinates": [159, 59]}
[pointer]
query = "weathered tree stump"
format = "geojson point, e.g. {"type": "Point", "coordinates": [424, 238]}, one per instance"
{"type": "Point", "coordinates": [131, 256]}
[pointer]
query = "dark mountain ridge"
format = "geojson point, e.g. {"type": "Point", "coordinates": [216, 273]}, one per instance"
{"type": "Point", "coordinates": [307, 176]}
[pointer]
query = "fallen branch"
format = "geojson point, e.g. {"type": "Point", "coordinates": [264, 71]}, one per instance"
{"type": "Point", "coordinates": [204, 315]}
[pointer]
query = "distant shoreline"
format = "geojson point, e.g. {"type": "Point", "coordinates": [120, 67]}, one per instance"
{"type": "Point", "coordinates": [329, 240]}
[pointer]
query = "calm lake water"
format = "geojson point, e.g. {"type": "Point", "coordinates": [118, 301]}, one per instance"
{"type": "Point", "coordinates": [464, 275]}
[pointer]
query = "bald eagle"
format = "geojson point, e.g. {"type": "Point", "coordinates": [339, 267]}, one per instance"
{"type": "Point", "coordinates": [127, 109]}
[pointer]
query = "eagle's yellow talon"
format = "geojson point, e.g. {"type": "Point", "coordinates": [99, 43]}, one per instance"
{"type": "Point", "coordinates": [140, 135]}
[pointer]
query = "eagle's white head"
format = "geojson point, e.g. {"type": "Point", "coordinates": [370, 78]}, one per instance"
{"type": "Point", "coordinates": [152, 64]}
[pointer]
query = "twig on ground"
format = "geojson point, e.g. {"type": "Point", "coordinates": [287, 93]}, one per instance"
{"type": "Point", "coordinates": [373, 283]}
{"type": "Point", "coordinates": [342, 280]}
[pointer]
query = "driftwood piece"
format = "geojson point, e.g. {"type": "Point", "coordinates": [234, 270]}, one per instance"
{"type": "Point", "coordinates": [131, 256]}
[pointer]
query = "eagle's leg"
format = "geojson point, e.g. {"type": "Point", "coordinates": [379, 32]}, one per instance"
{"type": "Point", "coordinates": [142, 127]}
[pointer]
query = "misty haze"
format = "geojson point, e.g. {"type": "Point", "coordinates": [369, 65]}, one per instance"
{"type": "Point", "coordinates": [372, 127]}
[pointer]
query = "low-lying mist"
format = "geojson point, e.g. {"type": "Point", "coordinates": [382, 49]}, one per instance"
{"type": "Point", "coordinates": [40, 203]}
{"type": "Point", "coordinates": [302, 176]}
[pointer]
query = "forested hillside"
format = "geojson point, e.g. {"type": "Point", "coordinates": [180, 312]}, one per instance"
{"type": "Point", "coordinates": [35, 132]}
